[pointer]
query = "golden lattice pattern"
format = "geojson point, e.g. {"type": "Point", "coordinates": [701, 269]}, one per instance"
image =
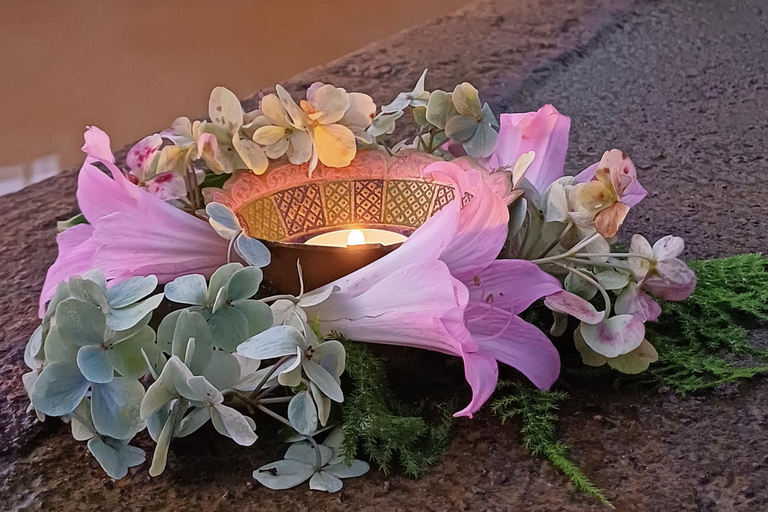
{"type": "Point", "coordinates": [338, 202]}
{"type": "Point", "coordinates": [407, 202]}
{"type": "Point", "coordinates": [443, 195]}
{"type": "Point", "coordinates": [299, 212]}
{"type": "Point", "coordinates": [301, 208]}
{"type": "Point", "coordinates": [368, 200]}
{"type": "Point", "coordinates": [262, 219]}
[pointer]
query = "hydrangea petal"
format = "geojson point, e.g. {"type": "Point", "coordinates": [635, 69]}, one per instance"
{"type": "Point", "coordinates": [615, 336]}
{"type": "Point", "coordinates": [571, 304]}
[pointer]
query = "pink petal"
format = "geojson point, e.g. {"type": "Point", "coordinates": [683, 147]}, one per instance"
{"type": "Point", "coordinates": [511, 285]}
{"type": "Point", "coordinates": [98, 195]}
{"type": "Point", "coordinates": [312, 90]}
{"type": "Point", "coordinates": [633, 194]}
{"type": "Point", "coordinates": [545, 132]}
{"type": "Point", "coordinates": [397, 306]}
{"type": "Point", "coordinates": [207, 145]}
{"type": "Point", "coordinates": [587, 174]}
{"type": "Point", "coordinates": [97, 145]}
{"type": "Point", "coordinates": [136, 233]}
{"type": "Point", "coordinates": [482, 373]}
{"type": "Point", "coordinates": [668, 247]}
{"type": "Point", "coordinates": [615, 336]}
{"type": "Point", "coordinates": [632, 301]}
{"type": "Point", "coordinates": [141, 154]}
{"type": "Point", "coordinates": [623, 176]}
{"type": "Point", "coordinates": [482, 227]}
{"type": "Point", "coordinates": [676, 281]}
{"type": "Point", "coordinates": [515, 342]}
{"type": "Point", "coordinates": [571, 304]}
{"type": "Point", "coordinates": [135, 244]}
{"type": "Point", "coordinates": [454, 148]}
{"type": "Point", "coordinates": [167, 186]}
{"type": "Point", "coordinates": [76, 248]}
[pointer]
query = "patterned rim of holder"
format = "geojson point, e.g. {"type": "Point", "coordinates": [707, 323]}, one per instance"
{"type": "Point", "coordinates": [376, 190]}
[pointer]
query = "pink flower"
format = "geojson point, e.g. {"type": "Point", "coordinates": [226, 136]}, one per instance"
{"type": "Point", "coordinates": [634, 301]}
{"type": "Point", "coordinates": [443, 290]}
{"type": "Point", "coordinates": [661, 272]}
{"type": "Point", "coordinates": [607, 190]}
{"type": "Point", "coordinates": [130, 232]}
{"type": "Point", "coordinates": [609, 337]}
{"type": "Point", "coordinates": [545, 132]}
{"type": "Point", "coordinates": [143, 160]}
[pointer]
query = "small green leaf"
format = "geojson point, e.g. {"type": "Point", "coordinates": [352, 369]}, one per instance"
{"type": "Point", "coordinates": [127, 358]}
{"type": "Point", "coordinates": [461, 128]}
{"type": "Point", "coordinates": [420, 116]}
{"type": "Point", "coordinates": [440, 109]}
{"type": "Point", "coordinates": [232, 424]}
{"type": "Point", "coordinates": [219, 279]}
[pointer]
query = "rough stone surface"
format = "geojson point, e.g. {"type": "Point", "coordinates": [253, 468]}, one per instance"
{"type": "Point", "coordinates": [680, 85]}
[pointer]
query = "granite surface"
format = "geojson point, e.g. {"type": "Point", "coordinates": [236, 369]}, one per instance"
{"type": "Point", "coordinates": [680, 85]}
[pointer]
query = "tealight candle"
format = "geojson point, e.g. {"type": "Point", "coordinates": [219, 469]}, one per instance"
{"type": "Point", "coordinates": [352, 237]}
{"type": "Point", "coordinates": [327, 257]}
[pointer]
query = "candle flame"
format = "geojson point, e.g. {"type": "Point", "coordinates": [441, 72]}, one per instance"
{"type": "Point", "coordinates": [356, 237]}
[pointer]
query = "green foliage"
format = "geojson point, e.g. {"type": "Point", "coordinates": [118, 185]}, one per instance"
{"type": "Point", "coordinates": [387, 432]}
{"type": "Point", "coordinates": [215, 180]}
{"type": "Point", "coordinates": [537, 412]}
{"type": "Point", "coordinates": [700, 340]}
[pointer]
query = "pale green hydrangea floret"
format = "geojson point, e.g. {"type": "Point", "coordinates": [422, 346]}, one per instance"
{"type": "Point", "coordinates": [322, 464]}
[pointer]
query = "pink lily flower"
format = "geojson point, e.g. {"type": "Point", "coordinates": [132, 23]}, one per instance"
{"type": "Point", "coordinates": [444, 290]}
{"type": "Point", "coordinates": [130, 232]}
{"type": "Point", "coordinates": [545, 132]}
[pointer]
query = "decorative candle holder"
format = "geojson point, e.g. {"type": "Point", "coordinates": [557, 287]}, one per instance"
{"type": "Point", "coordinates": [286, 207]}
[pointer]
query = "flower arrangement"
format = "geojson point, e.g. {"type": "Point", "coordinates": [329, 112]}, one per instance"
{"type": "Point", "coordinates": [501, 229]}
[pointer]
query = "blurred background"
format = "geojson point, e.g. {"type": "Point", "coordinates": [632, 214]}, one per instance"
{"type": "Point", "coordinates": [132, 66]}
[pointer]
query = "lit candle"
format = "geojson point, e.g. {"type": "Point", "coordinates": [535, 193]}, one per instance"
{"type": "Point", "coordinates": [352, 237]}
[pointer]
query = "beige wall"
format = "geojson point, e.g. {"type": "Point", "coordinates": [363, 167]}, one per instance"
{"type": "Point", "coordinates": [131, 67]}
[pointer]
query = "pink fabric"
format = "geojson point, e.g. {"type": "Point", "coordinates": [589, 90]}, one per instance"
{"type": "Point", "coordinates": [130, 231]}
{"type": "Point", "coordinates": [545, 132]}
{"type": "Point", "coordinates": [426, 293]}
